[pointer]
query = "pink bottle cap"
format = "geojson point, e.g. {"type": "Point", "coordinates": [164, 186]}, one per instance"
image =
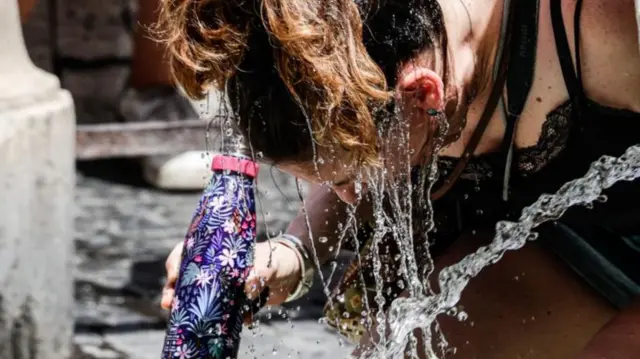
{"type": "Point", "coordinates": [247, 167]}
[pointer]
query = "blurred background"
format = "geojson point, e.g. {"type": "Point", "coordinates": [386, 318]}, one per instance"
{"type": "Point", "coordinates": [141, 164]}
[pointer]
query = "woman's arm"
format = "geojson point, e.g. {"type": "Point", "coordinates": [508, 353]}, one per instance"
{"type": "Point", "coordinates": [325, 212]}
{"type": "Point", "coordinates": [619, 339]}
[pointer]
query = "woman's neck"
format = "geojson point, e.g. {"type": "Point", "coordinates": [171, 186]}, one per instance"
{"type": "Point", "coordinates": [473, 30]}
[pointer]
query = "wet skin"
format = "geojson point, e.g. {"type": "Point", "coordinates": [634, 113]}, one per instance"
{"type": "Point", "coordinates": [530, 304]}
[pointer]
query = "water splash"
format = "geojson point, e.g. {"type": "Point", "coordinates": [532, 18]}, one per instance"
{"type": "Point", "coordinates": [421, 308]}
{"type": "Point", "coordinates": [420, 311]}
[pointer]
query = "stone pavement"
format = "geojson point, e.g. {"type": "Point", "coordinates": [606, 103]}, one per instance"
{"type": "Point", "coordinates": [124, 231]}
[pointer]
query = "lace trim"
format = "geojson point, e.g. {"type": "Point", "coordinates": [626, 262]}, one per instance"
{"type": "Point", "coordinates": [553, 138]}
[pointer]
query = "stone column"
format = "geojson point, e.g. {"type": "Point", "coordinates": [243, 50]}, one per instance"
{"type": "Point", "coordinates": [37, 159]}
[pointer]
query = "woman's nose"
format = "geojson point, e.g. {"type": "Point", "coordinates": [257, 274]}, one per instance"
{"type": "Point", "coordinates": [349, 194]}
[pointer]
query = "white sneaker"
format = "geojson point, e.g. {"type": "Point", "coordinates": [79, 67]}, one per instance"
{"type": "Point", "coordinates": [186, 171]}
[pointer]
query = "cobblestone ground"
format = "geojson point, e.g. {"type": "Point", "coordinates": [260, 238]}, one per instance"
{"type": "Point", "coordinates": [124, 231]}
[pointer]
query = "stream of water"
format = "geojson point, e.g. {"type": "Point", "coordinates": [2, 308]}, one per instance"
{"type": "Point", "coordinates": [423, 305]}
{"type": "Point", "coordinates": [420, 311]}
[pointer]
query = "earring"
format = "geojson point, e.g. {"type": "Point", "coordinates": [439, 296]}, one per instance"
{"type": "Point", "coordinates": [441, 123]}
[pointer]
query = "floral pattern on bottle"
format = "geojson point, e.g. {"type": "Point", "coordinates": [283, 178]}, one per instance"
{"type": "Point", "coordinates": [206, 316]}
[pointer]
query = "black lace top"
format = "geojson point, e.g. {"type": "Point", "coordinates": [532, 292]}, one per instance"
{"type": "Point", "coordinates": [601, 244]}
{"type": "Point", "coordinates": [529, 160]}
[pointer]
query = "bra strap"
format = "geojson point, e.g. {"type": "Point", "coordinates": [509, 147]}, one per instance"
{"type": "Point", "coordinates": [571, 80]}
{"type": "Point", "coordinates": [492, 103]}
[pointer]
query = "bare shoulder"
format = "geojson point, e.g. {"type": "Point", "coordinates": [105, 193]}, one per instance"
{"type": "Point", "coordinates": [610, 51]}
{"type": "Point", "coordinates": [610, 61]}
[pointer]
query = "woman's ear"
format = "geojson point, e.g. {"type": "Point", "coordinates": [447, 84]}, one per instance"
{"type": "Point", "coordinates": [422, 87]}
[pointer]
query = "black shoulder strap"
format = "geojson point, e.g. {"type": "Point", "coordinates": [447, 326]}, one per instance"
{"type": "Point", "coordinates": [520, 76]}
{"type": "Point", "coordinates": [572, 77]}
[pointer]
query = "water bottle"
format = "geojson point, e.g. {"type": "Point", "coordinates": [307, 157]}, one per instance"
{"type": "Point", "coordinates": [207, 313]}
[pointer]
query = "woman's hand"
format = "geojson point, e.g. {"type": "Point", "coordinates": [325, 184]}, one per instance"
{"type": "Point", "coordinates": [281, 276]}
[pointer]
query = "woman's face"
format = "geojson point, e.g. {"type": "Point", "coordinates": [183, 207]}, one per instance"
{"type": "Point", "coordinates": [419, 92]}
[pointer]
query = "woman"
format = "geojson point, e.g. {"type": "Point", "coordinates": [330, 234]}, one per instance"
{"type": "Point", "coordinates": [532, 94]}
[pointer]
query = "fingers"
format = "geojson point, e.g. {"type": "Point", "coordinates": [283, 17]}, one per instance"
{"type": "Point", "coordinates": [167, 297]}
{"type": "Point", "coordinates": [256, 284]}
{"type": "Point", "coordinates": [263, 275]}
{"type": "Point", "coordinates": [172, 266]}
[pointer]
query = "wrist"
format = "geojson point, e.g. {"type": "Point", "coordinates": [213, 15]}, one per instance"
{"type": "Point", "coordinates": [305, 266]}
{"type": "Point", "coordinates": [288, 259]}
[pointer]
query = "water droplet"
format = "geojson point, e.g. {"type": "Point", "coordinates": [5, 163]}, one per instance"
{"type": "Point", "coordinates": [274, 351]}
{"type": "Point", "coordinates": [323, 239]}
{"type": "Point", "coordinates": [462, 316]}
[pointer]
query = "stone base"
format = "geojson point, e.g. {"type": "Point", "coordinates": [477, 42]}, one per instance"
{"type": "Point", "coordinates": [36, 228]}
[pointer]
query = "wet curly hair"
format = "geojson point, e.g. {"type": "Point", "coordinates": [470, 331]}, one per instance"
{"type": "Point", "coordinates": [300, 73]}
